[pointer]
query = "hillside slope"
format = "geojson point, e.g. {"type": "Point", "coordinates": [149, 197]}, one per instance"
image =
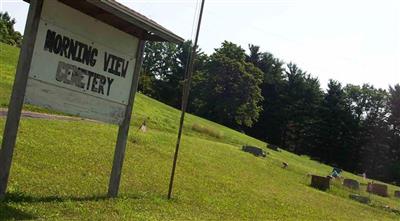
{"type": "Point", "coordinates": [61, 170]}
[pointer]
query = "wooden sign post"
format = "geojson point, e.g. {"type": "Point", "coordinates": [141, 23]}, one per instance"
{"type": "Point", "coordinates": [18, 93]}
{"type": "Point", "coordinates": [124, 129]}
{"type": "Point", "coordinates": [82, 58]}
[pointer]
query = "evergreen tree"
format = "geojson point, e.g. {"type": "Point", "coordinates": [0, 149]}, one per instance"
{"type": "Point", "coordinates": [302, 99]}
{"type": "Point", "coordinates": [394, 124]}
{"type": "Point", "coordinates": [269, 127]}
{"type": "Point", "coordinates": [336, 128]}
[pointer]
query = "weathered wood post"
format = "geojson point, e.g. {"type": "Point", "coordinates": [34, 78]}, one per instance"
{"type": "Point", "coordinates": [18, 94]}
{"type": "Point", "coordinates": [124, 127]}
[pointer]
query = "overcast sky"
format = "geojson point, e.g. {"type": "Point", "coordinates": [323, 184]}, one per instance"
{"type": "Point", "coordinates": [353, 41]}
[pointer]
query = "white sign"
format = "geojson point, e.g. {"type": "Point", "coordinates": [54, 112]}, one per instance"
{"type": "Point", "coordinates": [80, 65]}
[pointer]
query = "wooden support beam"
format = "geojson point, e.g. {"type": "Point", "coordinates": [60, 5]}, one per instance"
{"type": "Point", "coordinates": [18, 93]}
{"type": "Point", "coordinates": [124, 127]}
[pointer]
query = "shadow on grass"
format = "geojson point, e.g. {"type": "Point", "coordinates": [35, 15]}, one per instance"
{"type": "Point", "coordinates": [11, 213]}
{"type": "Point", "coordinates": [18, 197]}
{"type": "Point", "coordinates": [8, 212]}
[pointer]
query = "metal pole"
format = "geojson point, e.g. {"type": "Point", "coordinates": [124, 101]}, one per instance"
{"type": "Point", "coordinates": [18, 93]}
{"type": "Point", "coordinates": [185, 97]}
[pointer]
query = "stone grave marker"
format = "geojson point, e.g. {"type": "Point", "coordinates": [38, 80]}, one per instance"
{"type": "Point", "coordinates": [320, 182]}
{"type": "Point", "coordinates": [361, 199]}
{"type": "Point", "coordinates": [352, 184]}
{"type": "Point", "coordinates": [256, 151]}
{"type": "Point", "coordinates": [378, 189]}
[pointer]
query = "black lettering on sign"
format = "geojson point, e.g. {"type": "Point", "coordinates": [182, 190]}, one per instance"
{"type": "Point", "coordinates": [84, 79]}
{"type": "Point", "coordinates": [50, 39]}
{"type": "Point", "coordinates": [125, 68]}
{"type": "Point", "coordinates": [107, 58]}
{"type": "Point", "coordinates": [57, 44]}
{"type": "Point", "coordinates": [102, 82]}
{"type": "Point", "coordinates": [69, 74]}
{"type": "Point", "coordinates": [115, 65]}
{"type": "Point", "coordinates": [90, 75]}
{"type": "Point", "coordinates": [79, 55]}
{"type": "Point", "coordinates": [93, 56]}
{"type": "Point", "coordinates": [64, 47]}
{"type": "Point", "coordinates": [70, 48]}
{"type": "Point", "coordinates": [109, 82]}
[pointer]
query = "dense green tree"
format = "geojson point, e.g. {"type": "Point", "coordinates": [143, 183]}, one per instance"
{"type": "Point", "coordinates": [231, 93]}
{"type": "Point", "coordinates": [302, 98]}
{"type": "Point", "coordinates": [270, 125]}
{"type": "Point", "coordinates": [375, 152]}
{"type": "Point", "coordinates": [163, 70]}
{"type": "Point", "coordinates": [394, 124]}
{"type": "Point", "coordinates": [370, 134]}
{"type": "Point", "coordinates": [394, 106]}
{"type": "Point", "coordinates": [336, 129]}
{"type": "Point", "coordinates": [7, 33]}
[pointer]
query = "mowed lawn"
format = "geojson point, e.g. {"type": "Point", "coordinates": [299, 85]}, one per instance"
{"type": "Point", "coordinates": [61, 171]}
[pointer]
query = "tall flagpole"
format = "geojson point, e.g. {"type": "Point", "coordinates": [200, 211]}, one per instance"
{"type": "Point", "coordinates": [185, 97]}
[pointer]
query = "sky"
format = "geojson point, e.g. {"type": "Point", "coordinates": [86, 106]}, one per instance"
{"type": "Point", "coordinates": [352, 41]}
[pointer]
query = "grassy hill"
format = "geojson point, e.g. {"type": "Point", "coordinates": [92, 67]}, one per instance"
{"type": "Point", "coordinates": [61, 170]}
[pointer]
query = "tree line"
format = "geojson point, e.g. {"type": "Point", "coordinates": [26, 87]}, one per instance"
{"type": "Point", "coordinates": [350, 126]}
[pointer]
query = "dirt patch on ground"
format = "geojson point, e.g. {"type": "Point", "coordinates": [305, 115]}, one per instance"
{"type": "Point", "coordinates": [30, 114]}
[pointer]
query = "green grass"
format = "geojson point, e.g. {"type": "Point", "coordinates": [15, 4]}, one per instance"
{"type": "Point", "coordinates": [207, 130]}
{"type": "Point", "coordinates": [61, 170]}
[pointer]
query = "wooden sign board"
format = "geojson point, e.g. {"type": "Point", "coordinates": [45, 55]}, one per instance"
{"type": "Point", "coordinates": [84, 69]}
{"type": "Point", "coordinates": [81, 57]}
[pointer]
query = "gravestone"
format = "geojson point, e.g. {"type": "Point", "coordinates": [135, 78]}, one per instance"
{"type": "Point", "coordinates": [320, 182]}
{"type": "Point", "coordinates": [273, 147]}
{"type": "Point", "coordinates": [256, 151]}
{"type": "Point", "coordinates": [361, 199]}
{"type": "Point", "coordinates": [315, 158]}
{"type": "Point", "coordinates": [352, 184]}
{"type": "Point", "coordinates": [378, 189]}
{"type": "Point", "coordinates": [397, 194]}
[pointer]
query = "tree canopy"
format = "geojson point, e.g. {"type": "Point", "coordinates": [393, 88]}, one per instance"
{"type": "Point", "coordinates": [7, 33]}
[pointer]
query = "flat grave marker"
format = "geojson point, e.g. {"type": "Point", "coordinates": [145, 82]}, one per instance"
{"type": "Point", "coordinates": [358, 198]}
